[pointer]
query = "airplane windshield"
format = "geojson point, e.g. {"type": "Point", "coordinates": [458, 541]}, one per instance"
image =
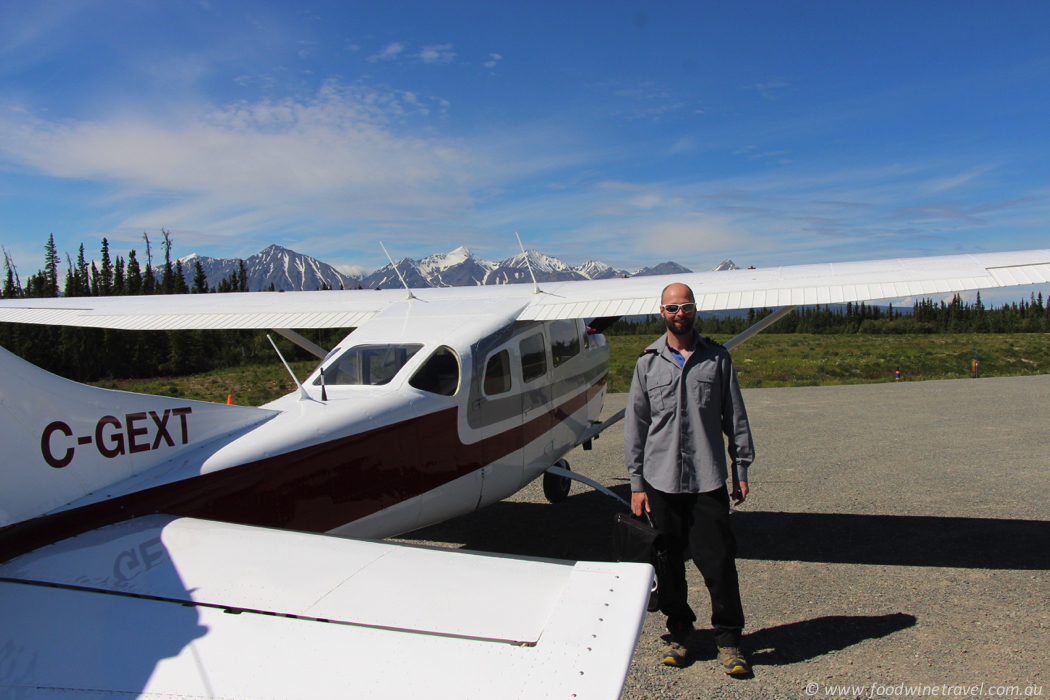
{"type": "Point", "coordinates": [368, 364]}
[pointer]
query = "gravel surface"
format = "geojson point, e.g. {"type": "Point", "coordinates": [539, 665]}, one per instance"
{"type": "Point", "coordinates": [897, 536]}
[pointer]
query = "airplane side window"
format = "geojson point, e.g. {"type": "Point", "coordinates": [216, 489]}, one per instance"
{"type": "Point", "coordinates": [565, 341]}
{"type": "Point", "coordinates": [439, 374]}
{"type": "Point", "coordinates": [533, 358]}
{"type": "Point", "coordinates": [497, 373]}
{"type": "Point", "coordinates": [368, 364]}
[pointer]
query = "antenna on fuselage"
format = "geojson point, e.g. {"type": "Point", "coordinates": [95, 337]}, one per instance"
{"type": "Point", "coordinates": [303, 396]}
{"type": "Point", "coordinates": [394, 265]}
{"type": "Point", "coordinates": [535, 284]}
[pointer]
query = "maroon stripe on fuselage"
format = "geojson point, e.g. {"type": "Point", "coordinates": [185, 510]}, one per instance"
{"type": "Point", "coordinates": [314, 489]}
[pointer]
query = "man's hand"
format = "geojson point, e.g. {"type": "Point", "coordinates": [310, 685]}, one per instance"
{"type": "Point", "coordinates": [739, 492]}
{"type": "Point", "coordinates": [639, 501]}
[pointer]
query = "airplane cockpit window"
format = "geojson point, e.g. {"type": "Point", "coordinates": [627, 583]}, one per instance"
{"type": "Point", "coordinates": [439, 374]}
{"type": "Point", "coordinates": [368, 364]}
{"type": "Point", "coordinates": [565, 341]}
{"type": "Point", "coordinates": [497, 373]}
{"type": "Point", "coordinates": [533, 358]}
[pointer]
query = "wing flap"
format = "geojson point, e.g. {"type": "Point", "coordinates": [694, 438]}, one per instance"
{"type": "Point", "coordinates": [201, 609]}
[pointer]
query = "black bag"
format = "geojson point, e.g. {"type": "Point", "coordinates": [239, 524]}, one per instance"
{"type": "Point", "coordinates": [635, 539]}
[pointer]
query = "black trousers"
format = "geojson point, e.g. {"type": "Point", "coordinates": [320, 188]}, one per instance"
{"type": "Point", "coordinates": [700, 521]}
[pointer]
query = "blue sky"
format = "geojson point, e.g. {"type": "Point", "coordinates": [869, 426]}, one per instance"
{"type": "Point", "coordinates": [766, 132]}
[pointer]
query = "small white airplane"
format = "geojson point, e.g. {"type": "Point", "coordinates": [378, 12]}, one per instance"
{"type": "Point", "coordinates": [158, 546]}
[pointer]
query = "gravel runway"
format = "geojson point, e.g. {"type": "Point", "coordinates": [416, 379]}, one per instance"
{"type": "Point", "coordinates": [897, 538]}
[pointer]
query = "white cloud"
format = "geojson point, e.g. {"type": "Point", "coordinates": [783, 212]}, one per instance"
{"type": "Point", "coordinates": [353, 270]}
{"type": "Point", "coordinates": [240, 166]}
{"type": "Point", "coordinates": [389, 52]}
{"type": "Point", "coordinates": [440, 53]}
{"type": "Point", "coordinates": [493, 58]}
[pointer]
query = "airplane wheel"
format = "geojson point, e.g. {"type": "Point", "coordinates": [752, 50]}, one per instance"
{"type": "Point", "coordinates": [556, 488]}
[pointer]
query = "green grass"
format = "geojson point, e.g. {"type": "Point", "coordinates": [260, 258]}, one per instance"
{"type": "Point", "coordinates": [763, 361]}
{"type": "Point", "coordinates": [252, 385]}
{"type": "Point", "coordinates": [821, 360]}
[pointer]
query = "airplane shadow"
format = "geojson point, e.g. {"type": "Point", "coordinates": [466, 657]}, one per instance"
{"type": "Point", "coordinates": [581, 527]}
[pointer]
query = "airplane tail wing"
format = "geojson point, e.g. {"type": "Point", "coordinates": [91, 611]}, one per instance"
{"type": "Point", "coordinates": [178, 607]}
{"type": "Point", "coordinates": [63, 441]}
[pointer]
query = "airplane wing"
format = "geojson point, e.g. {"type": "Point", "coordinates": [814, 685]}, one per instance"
{"type": "Point", "coordinates": [178, 607]}
{"type": "Point", "coordinates": [715, 291]}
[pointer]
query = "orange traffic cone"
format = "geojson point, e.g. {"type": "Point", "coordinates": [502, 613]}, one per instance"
{"type": "Point", "coordinates": [229, 400]}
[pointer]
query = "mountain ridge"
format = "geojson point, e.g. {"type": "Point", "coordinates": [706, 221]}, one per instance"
{"type": "Point", "coordinates": [279, 268]}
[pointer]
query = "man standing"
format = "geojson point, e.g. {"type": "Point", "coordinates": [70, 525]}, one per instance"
{"type": "Point", "coordinates": [684, 396]}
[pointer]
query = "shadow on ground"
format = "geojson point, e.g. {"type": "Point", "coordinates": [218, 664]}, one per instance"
{"type": "Point", "coordinates": [795, 642]}
{"type": "Point", "coordinates": [808, 639]}
{"type": "Point", "coordinates": [581, 527]}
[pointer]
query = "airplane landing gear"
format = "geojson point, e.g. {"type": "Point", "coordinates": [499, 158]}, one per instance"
{"type": "Point", "coordinates": [555, 487]}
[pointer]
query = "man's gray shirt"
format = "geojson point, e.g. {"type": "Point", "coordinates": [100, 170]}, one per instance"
{"type": "Point", "coordinates": [676, 417]}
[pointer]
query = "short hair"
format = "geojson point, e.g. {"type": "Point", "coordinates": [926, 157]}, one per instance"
{"type": "Point", "coordinates": [691, 295]}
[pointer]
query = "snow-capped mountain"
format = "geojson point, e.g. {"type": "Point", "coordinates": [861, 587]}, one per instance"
{"type": "Point", "coordinates": [515, 270]}
{"type": "Point", "coordinates": [460, 268]}
{"type": "Point", "coordinates": [288, 270]}
{"type": "Point", "coordinates": [386, 277]}
{"type": "Point", "coordinates": [726, 264]}
{"type": "Point", "coordinates": [283, 268]}
{"type": "Point", "coordinates": [597, 270]}
{"type": "Point", "coordinates": [664, 268]}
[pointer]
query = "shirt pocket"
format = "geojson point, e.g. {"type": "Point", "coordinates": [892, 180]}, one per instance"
{"type": "Point", "coordinates": [661, 390]}
{"type": "Point", "coordinates": [703, 384]}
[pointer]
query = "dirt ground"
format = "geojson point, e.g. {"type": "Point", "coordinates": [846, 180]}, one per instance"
{"type": "Point", "coordinates": [897, 538]}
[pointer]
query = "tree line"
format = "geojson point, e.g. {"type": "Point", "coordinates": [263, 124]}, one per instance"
{"type": "Point", "coordinates": [90, 354]}
{"type": "Point", "coordinates": [925, 316]}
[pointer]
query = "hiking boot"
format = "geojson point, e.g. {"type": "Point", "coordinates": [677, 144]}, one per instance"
{"type": "Point", "coordinates": [732, 661]}
{"type": "Point", "coordinates": [677, 653]}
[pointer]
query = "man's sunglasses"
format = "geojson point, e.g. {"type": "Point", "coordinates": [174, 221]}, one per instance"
{"type": "Point", "coordinates": [673, 308]}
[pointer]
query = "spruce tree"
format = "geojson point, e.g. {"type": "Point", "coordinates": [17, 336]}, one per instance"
{"type": "Point", "coordinates": [51, 261]}
{"type": "Point", "coordinates": [149, 282]}
{"type": "Point", "coordinates": [178, 285]}
{"type": "Point", "coordinates": [200, 281]}
{"type": "Point", "coordinates": [118, 277]}
{"type": "Point", "coordinates": [105, 281]}
{"type": "Point", "coordinates": [83, 274]}
{"type": "Point", "coordinates": [134, 274]}
{"type": "Point", "coordinates": [12, 285]}
{"type": "Point", "coordinates": [167, 280]}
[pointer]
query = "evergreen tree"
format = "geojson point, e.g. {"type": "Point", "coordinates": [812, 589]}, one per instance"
{"type": "Point", "coordinates": [167, 280]}
{"type": "Point", "coordinates": [149, 282]}
{"type": "Point", "coordinates": [12, 285]}
{"type": "Point", "coordinates": [76, 284]}
{"type": "Point", "coordinates": [119, 288]}
{"type": "Point", "coordinates": [200, 281]}
{"type": "Point", "coordinates": [242, 276]}
{"type": "Point", "coordinates": [178, 285]}
{"type": "Point", "coordinates": [96, 284]}
{"type": "Point", "coordinates": [83, 274]}
{"type": "Point", "coordinates": [134, 275]}
{"type": "Point", "coordinates": [51, 261]}
{"type": "Point", "coordinates": [105, 282]}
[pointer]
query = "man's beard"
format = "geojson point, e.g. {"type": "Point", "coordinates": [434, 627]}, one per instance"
{"type": "Point", "coordinates": [680, 325]}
